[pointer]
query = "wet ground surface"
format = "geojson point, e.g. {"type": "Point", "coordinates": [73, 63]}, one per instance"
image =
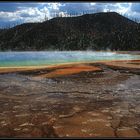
{"type": "Point", "coordinates": [88, 104]}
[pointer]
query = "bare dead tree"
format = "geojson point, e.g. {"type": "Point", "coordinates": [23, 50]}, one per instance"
{"type": "Point", "coordinates": [45, 18]}
{"type": "Point", "coordinates": [136, 20]}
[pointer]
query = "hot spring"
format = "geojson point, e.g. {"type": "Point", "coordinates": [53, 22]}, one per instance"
{"type": "Point", "coordinates": [8, 59]}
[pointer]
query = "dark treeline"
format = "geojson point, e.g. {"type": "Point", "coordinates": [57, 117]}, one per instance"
{"type": "Point", "coordinates": [99, 31]}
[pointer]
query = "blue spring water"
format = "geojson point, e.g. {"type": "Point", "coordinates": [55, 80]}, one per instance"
{"type": "Point", "coordinates": [8, 59]}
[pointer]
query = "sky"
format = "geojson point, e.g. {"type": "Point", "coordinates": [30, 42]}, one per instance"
{"type": "Point", "coordinates": [13, 13]}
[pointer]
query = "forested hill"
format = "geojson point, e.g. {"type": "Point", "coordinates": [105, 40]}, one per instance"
{"type": "Point", "coordinates": [100, 31]}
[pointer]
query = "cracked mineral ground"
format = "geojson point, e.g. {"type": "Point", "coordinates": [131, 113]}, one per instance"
{"type": "Point", "coordinates": [102, 103]}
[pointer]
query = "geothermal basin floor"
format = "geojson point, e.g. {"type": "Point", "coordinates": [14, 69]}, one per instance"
{"type": "Point", "coordinates": [82, 100]}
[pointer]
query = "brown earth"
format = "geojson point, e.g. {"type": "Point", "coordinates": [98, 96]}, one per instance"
{"type": "Point", "coordinates": [76, 100]}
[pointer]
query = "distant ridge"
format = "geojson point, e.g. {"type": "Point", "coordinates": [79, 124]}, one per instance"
{"type": "Point", "coordinates": [99, 31]}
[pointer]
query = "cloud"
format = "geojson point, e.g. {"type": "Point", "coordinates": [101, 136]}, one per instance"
{"type": "Point", "coordinates": [95, 7]}
{"type": "Point", "coordinates": [30, 14]}
{"type": "Point", "coordinates": [75, 7]}
{"type": "Point", "coordinates": [135, 7]}
{"type": "Point", "coordinates": [14, 6]}
{"type": "Point", "coordinates": [122, 8]}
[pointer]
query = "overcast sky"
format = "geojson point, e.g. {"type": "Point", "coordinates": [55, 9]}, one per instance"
{"type": "Point", "coordinates": [19, 12]}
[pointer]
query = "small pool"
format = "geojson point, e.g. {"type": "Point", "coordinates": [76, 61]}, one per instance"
{"type": "Point", "coordinates": [8, 59]}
